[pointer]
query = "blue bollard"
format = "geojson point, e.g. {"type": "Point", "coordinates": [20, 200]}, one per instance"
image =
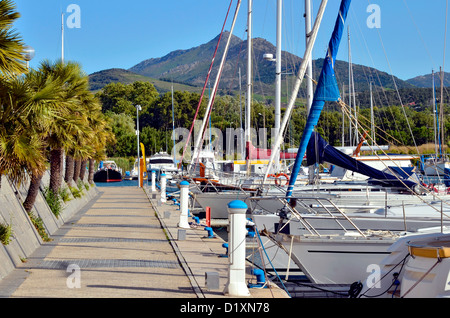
{"type": "Point", "coordinates": [224, 245]}
{"type": "Point", "coordinates": [260, 279]}
{"type": "Point", "coordinates": [210, 232]}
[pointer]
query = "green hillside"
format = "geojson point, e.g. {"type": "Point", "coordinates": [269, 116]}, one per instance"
{"type": "Point", "coordinates": [100, 79]}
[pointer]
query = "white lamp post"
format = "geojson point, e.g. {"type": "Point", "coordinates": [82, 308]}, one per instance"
{"type": "Point", "coordinates": [138, 108]}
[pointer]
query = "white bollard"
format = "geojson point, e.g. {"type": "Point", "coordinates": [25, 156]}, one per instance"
{"type": "Point", "coordinates": [163, 187]}
{"type": "Point", "coordinates": [153, 181]}
{"type": "Point", "coordinates": [236, 285]}
{"type": "Point", "coordinates": [184, 204]}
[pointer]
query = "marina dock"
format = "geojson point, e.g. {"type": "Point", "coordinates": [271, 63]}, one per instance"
{"type": "Point", "coordinates": [125, 243]}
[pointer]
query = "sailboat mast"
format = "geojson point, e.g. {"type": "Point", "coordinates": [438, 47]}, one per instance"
{"type": "Point", "coordinates": [434, 116]}
{"type": "Point", "coordinates": [249, 85]}
{"type": "Point", "coordinates": [62, 37]}
{"type": "Point", "coordinates": [278, 83]}
{"type": "Point", "coordinates": [309, 74]}
{"type": "Point", "coordinates": [343, 117]}
{"type": "Point", "coordinates": [349, 87]}
{"type": "Point", "coordinates": [372, 125]}
{"type": "Point", "coordinates": [352, 93]}
{"type": "Point", "coordinates": [441, 115]}
{"type": "Point", "coordinates": [298, 82]}
{"type": "Point", "coordinates": [173, 128]}
{"type": "Point", "coordinates": [240, 115]}
{"type": "Point", "coordinates": [199, 141]}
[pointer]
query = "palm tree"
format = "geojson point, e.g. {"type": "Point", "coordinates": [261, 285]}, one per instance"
{"type": "Point", "coordinates": [11, 46]}
{"type": "Point", "coordinates": [64, 125]}
{"type": "Point", "coordinates": [72, 123]}
{"type": "Point", "coordinates": [21, 143]}
{"type": "Point", "coordinates": [39, 123]}
{"type": "Point", "coordinates": [14, 145]}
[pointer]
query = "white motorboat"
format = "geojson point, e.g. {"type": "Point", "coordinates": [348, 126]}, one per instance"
{"type": "Point", "coordinates": [162, 162]}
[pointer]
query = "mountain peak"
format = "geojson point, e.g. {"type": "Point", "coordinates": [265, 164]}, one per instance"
{"type": "Point", "coordinates": [190, 66]}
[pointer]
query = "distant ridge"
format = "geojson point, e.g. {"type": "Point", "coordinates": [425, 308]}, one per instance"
{"type": "Point", "coordinates": [100, 79]}
{"type": "Point", "coordinates": [425, 81]}
{"type": "Point", "coordinates": [190, 67]}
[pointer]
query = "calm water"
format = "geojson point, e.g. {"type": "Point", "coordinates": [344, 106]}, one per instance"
{"type": "Point", "coordinates": [124, 183]}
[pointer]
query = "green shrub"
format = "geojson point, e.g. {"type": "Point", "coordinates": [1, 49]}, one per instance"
{"type": "Point", "coordinates": [64, 194]}
{"type": "Point", "coordinates": [76, 192]}
{"type": "Point", "coordinates": [54, 201]}
{"type": "Point", "coordinates": [80, 185]}
{"type": "Point", "coordinates": [39, 225]}
{"type": "Point", "coordinates": [5, 233]}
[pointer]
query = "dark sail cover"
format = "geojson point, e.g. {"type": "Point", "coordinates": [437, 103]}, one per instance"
{"type": "Point", "coordinates": [319, 150]}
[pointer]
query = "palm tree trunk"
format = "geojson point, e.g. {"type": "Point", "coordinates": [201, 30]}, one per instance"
{"type": "Point", "coordinates": [33, 191]}
{"type": "Point", "coordinates": [76, 170]}
{"type": "Point", "coordinates": [68, 176]}
{"type": "Point", "coordinates": [91, 171]}
{"type": "Point", "coordinates": [83, 169]}
{"type": "Point", "coordinates": [56, 156]}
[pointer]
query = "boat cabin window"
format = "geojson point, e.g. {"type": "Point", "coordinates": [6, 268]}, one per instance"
{"type": "Point", "coordinates": [159, 161]}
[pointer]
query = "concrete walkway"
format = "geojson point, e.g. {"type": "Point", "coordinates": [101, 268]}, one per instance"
{"type": "Point", "coordinates": [123, 244]}
{"type": "Point", "coordinates": [114, 247]}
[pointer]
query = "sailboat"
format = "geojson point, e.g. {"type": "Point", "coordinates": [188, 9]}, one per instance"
{"type": "Point", "coordinates": [343, 255]}
{"type": "Point", "coordinates": [250, 181]}
{"type": "Point", "coordinates": [436, 168]}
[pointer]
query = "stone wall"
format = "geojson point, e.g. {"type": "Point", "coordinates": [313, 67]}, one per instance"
{"type": "Point", "coordinates": [25, 239]}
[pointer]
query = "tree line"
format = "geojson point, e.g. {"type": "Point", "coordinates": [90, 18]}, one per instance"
{"type": "Point", "coordinates": [409, 125]}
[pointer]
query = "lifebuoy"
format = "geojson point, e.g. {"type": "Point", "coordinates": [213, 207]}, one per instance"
{"type": "Point", "coordinates": [277, 177]}
{"type": "Point", "coordinates": [432, 187]}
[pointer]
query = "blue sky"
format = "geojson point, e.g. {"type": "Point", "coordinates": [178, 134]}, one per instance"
{"type": "Point", "coordinates": [118, 34]}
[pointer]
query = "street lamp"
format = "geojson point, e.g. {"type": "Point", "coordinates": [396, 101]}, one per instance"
{"type": "Point", "coordinates": [138, 108]}
{"type": "Point", "coordinates": [28, 54]}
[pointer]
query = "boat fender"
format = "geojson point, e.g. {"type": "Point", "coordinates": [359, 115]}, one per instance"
{"type": "Point", "coordinates": [277, 178]}
{"type": "Point", "coordinates": [196, 219]}
{"type": "Point", "coordinates": [355, 289]}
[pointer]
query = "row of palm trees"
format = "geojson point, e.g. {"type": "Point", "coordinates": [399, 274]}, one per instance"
{"type": "Point", "coordinates": [46, 114]}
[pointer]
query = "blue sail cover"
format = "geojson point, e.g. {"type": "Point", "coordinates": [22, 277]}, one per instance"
{"type": "Point", "coordinates": [319, 151]}
{"type": "Point", "coordinates": [327, 90]}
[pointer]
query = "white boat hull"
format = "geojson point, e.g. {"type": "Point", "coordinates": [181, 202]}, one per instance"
{"type": "Point", "coordinates": [418, 276]}
{"type": "Point", "coordinates": [336, 260]}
